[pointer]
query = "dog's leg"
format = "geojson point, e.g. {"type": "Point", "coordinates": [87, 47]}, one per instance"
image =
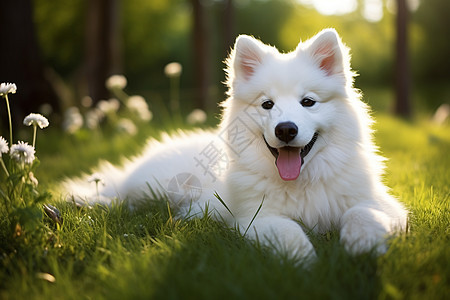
{"type": "Point", "coordinates": [366, 228]}
{"type": "Point", "coordinates": [280, 233]}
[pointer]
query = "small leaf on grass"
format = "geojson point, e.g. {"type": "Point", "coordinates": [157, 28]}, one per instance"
{"type": "Point", "coordinates": [53, 213]}
{"type": "Point", "coordinates": [46, 276]}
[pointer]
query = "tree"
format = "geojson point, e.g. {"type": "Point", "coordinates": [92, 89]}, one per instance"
{"type": "Point", "coordinates": [103, 45]}
{"type": "Point", "coordinates": [21, 60]}
{"type": "Point", "coordinates": [402, 70]}
{"type": "Point", "coordinates": [201, 53]}
{"type": "Point", "coordinates": [228, 24]}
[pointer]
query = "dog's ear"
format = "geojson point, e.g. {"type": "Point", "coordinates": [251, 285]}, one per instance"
{"type": "Point", "coordinates": [247, 55]}
{"type": "Point", "coordinates": [328, 51]}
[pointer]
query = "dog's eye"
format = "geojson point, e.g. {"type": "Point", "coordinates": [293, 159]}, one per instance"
{"type": "Point", "coordinates": [307, 102]}
{"type": "Point", "coordinates": [268, 104]}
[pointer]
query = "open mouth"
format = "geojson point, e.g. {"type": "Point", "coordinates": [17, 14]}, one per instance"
{"type": "Point", "coordinates": [289, 160]}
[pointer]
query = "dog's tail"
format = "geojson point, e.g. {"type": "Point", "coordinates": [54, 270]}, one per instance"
{"type": "Point", "coordinates": [167, 168]}
{"type": "Point", "coordinates": [99, 187]}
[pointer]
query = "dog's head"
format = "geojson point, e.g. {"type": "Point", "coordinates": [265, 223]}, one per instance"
{"type": "Point", "coordinates": [289, 100]}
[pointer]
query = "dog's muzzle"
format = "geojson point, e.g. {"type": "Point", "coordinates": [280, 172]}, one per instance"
{"type": "Point", "coordinates": [289, 160]}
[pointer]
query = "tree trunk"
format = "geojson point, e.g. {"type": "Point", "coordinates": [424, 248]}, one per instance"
{"type": "Point", "coordinates": [201, 54]}
{"type": "Point", "coordinates": [228, 23]}
{"type": "Point", "coordinates": [402, 71]}
{"type": "Point", "coordinates": [103, 46]}
{"type": "Point", "coordinates": [21, 61]}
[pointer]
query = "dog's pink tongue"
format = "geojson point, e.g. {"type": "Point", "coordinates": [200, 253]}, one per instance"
{"type": "Point", "coordinates": [289, 163]}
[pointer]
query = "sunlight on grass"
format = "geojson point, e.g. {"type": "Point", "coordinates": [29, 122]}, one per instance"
{"type": "Point", "coordinates": [115, 253]}
{"type": "Point", "coordinates": [417, 172]}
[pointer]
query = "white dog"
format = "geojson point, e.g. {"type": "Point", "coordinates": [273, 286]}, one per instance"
{"type": "Point", "coordinates": [294, 147]}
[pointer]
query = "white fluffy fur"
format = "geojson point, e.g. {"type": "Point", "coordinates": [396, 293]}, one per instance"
{"type": "Point", "coordinates": [339, 186]}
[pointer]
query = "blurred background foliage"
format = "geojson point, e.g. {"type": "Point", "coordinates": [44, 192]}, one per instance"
{"type": "Point", "coordinates": [147, 35]}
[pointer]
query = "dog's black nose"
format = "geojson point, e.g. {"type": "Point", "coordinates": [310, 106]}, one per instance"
{"type": "Point", "coordinates": [286, 131]}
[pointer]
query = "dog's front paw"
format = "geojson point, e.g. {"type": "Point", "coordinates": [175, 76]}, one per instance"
{"type": "Point", "coordinates": [360, 240]}
{"type": "Point", "coordinates": [283, 235]}
{"type": "Point", "coordinates": [365, 230]}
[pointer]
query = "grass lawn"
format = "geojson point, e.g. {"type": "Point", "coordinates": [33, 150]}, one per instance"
{"type": "Point", "coordinates": [114, 253]}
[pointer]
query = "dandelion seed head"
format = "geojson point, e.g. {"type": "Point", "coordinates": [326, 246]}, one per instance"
{"type": "Point", "coordinates": [110, 106]}
{"type": "Point", "coordinates": [197, 116]}
{"type": "Point", "coordinates": [145, 115]}
{"type": "Point", "coordinates": [73, 120]}
{"type": "Point", "coordinates": [3, 146]}
{"type": "Point", "coordinates": [116, 82]}
{"type": "Point", "coordinates": [173, 69]}
{"type": "Point", "coordinates": [138, 105]}
{"type": "Point", "coordinates": [22, 152]}
{"type": "Point", "coordinates": [93, 118]}
{"type": "Point", "coordinates": [136, 102]}
{"type": "Point", "coordinates": [7, 88]}
{"type": "Point", "coordinates": [97, 178]}
{"type": "Point", "coordinates": [36, 120]}
{"type": "Point", "coordinates": [127, 126]}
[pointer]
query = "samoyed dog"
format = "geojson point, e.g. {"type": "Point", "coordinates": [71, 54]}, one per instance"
{"type": "Point", "coordinates": [293, 152]}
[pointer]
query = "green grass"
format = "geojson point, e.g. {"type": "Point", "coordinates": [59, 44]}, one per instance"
{"type": "Point", "coordinates": [114, 253]}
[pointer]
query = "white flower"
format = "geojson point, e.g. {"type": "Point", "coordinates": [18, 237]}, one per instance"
{"type": "Point", "coordinates": [136, 102]}
{"type": "Point", "coordinates": [6, 88]}
{"type": "Point", "coordinates": [109, 107]}
{"type": "Point", "coordinates": [22, 152]}
{"type": "Point", "coordinates": [36, 120]}
{"type": "Point", "coordinates": [73, 120]}
{"type": "Point", "coordinates": [173, 69]}
{"type": "Point", "coordinates": [145, 115]}
{"type": "Point", "coordinates": [97, 178]}
{"type": "Point", "coordinates": [116, 81]}
{"type": "Point", "coordinates": [93, 118]}
{"type": "Point", "coordinates": [197, 116]}
{"type": "Point", "coordinates": [3, 146]}
{"type": "Point", "coordinates": [138, 105]}
{"type": "Point", "coordinates": [127, 126]}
